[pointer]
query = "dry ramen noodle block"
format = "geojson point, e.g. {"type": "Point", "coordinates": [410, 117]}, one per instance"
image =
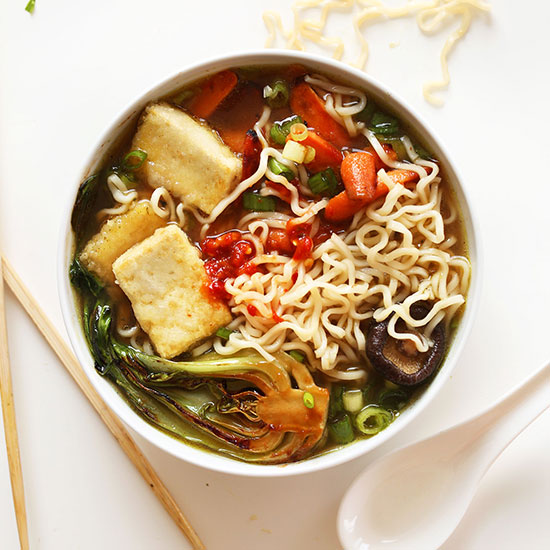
{"type": "Point", "coordinates": [116, 236]}
{"type": "Point", "coordinates": [185, 157]}
{"type": "Point", "coordinates": [164, 279]}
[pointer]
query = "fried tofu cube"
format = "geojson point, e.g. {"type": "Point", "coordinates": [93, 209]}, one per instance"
{"type": "Point", "coordinates": [165, 281]}
{"type": "Point", "coordinates": [186, 157]}
{"type": "Point", "coordinates": [117, 235]}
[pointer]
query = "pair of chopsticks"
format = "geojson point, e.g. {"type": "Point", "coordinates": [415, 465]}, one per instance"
{"type": "Point", "coordinates": [70, 362]}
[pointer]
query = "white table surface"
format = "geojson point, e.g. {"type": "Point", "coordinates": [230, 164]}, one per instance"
{"type": "Point", "coordinates": [67, 71]}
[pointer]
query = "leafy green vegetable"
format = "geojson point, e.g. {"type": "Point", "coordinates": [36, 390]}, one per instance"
{"type": "Point", "coordinates": [85, 198]}
{"type": "Point", "coordinates": [83, 280]}
{"type": "Point", "coordinates": [229, 404]}
{"type": "Point", "coordinates": [384, 124]}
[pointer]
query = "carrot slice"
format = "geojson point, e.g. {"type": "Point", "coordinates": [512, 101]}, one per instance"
{"type": "Point", "coordinates": [359, 176]}
{"type": "Point", "coordinates": [397, 176]}
{"type": "Point", "coordinates": [379, 163]}
{"type": "Point", "coordinates": [307, 104]}
{"type": "Point", "coordinates": [213, 91]}
{"type": "Point", "coordinates": [341, 207]}
{"type": "Point", "coordinates": [326, 155]}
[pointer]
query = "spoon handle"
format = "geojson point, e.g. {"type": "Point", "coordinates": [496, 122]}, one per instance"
{"type": "Point", "coordinates": [503, 422]}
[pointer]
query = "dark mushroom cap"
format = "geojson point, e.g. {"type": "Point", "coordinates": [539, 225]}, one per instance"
{"type": "Point", "coordinates": [390, 358]}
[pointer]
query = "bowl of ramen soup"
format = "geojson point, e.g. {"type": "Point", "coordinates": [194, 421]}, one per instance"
{"type": "Point", "coordinates": [268, 265]}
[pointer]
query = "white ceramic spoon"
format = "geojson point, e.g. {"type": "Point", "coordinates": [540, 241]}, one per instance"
{"type": "Point", "coordinates": [413, 498]}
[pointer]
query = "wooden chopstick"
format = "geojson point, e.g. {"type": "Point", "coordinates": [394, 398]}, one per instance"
{"type": "Point", "coordinates": [113, 423]}
{"type": "Point", "coordinates": [10, 428]}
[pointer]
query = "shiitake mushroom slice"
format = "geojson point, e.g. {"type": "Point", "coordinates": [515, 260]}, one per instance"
{"type": "Point", "coordinates": [398, 360]}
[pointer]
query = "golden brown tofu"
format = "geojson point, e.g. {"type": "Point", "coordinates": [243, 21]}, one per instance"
{"type": "Point", "coordinates": [165, 280]}
{"type": "Point", "coordinates": [116, 236]}
{"type": "Point", "coordinates": [186, 157]}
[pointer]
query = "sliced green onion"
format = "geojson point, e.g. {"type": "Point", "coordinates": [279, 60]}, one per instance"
{"type": "Point", "coordinates": [277, 134]}
{"type": "Point", "coordinates": [297, 355]}
{"type": "Point", "coordinates": [298, 131]}
{"type": "Point", "coordinates": [393, 399]}
{"type": "Point", "coordinates": [310, 154]}
{"type": "Point", "coordinates": [341, 429]}
{"type": "Point", "coordinates": [30, 6]}
{"type": "Point", "coordinates": [324, 183]}
{"type": "Point", "coordinates": [223, 333]}
{"type": "Point", "coordinates": [353, 400]}
{"type": "Point", "coordinates": [294, 151]}
{"type": "Point", "coordinates": [257, 203]}
{"type": "Point", "coordinates": [133, 160]}
{"type": "Point", "coordinates": [280, 169]}
{"type": "Point", "coordinates": [384, 124]}
{"type": "Point", "coordinates": [280, 130]}
{"type": "Point", "coordinates": [276, 94]}
{"type": "Point", "coordinates": [372, 419]}
{"type": "Point", "coordinates": [309, 400]}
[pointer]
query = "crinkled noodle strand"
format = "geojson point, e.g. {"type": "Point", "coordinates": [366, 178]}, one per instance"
{"type": "Point", "coordinates": [432, 16]}
{"type": "Point", "coordinates": [394, 254]}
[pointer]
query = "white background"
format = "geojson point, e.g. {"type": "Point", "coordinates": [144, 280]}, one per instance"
{"type": "Point", "coordinates": [68, 70]}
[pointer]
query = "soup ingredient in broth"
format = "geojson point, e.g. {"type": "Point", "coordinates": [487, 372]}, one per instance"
{"type": "Point", "coordinates": [261, 297]}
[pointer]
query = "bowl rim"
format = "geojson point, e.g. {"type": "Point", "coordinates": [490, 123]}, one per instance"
{"type": "Point", "coordinates": [201, 457]}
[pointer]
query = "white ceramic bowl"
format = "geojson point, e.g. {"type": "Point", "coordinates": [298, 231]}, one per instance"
{"type": "Point", "coordinates": [339, 72]}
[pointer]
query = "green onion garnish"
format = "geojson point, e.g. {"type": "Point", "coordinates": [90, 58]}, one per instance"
{"type": "Point", "coordinates": [280, 169]}
{"type": "Point", "coordinates": [297, 355]}
{"type": "Point", "coordinates": [223, 333]}
{"type": "Point", "coordinates": [276, 94]}
{"type": "Point", "coordinates": [324, 183]}
{"type": "Point", "coordinates": [372, 419]}
{"type": "Point", "coordinates": [384, 124]}
{"type": "Point", "coordinates": [133, 160]}
{"type": "Point", "coordinates": [341, 429]}
{"type": "Point", "coordinates": [309, 400]}
{"type": "Point", "coordinates": [257, 203]}
{"type": "Point", "coordinates": [30, 6]}
{"type": "Point", "coordinates": [280, 130]}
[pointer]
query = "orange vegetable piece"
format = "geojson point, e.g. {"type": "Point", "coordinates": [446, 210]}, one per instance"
{"type": "Point", "coordinates": [307, 104]}
{"type": "Point", "coordinates": [378, 161]}
{"type": "Point", "coordinates": [341, 207]}
{"type": "Point", "coordinates": [213, 91]}
{"type": "Point", "coordinates": [397, 176]}
{"type": "Point", "coordinates": [359, 176]}
{"type": "Point", "coordinates": [326, 155]}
